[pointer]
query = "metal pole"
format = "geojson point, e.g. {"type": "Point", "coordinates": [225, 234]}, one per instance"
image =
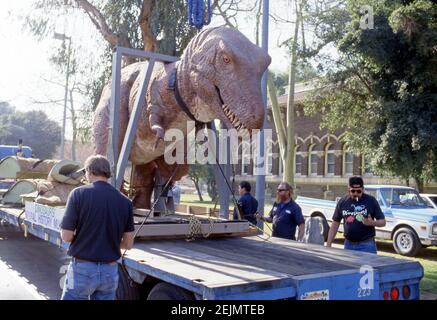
{"type": "Point", "coordinates": [65, 99]}
{"type": "Point", "coordinates": [260, 161]}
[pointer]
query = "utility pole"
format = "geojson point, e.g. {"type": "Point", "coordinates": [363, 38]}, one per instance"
{"type": "Point", "coordinates": [261, 161]}
{"type": "Point", "coordinates": [63, 37]}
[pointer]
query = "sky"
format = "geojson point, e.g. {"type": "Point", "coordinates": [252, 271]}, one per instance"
{"type": "Point", "coordinates": [28, 80]}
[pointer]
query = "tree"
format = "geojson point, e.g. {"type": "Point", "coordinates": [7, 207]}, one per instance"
{"type": "Point", "coordinates": [158, 26]}
{"type": "Point", "coordinates": [383, 90]}
{"type": "Point", "coordinates": [304, 72]}
{"type": "Point", "coordinates": [203, 174]}
{"type": "Point", "coordinates": [34, 127]}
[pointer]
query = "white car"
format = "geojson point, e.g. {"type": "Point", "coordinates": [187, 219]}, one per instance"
{"type": "Point", "coordinates": [430, 199]}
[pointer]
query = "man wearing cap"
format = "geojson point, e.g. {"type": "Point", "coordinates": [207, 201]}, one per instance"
{"type": "Point", "coordinates": [360, 213]}
{"type": "Point", "coordinates": [98, 222]}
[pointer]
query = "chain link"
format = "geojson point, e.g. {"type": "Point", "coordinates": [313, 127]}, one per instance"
{"type": "Point", "coordinates": [195, 228]}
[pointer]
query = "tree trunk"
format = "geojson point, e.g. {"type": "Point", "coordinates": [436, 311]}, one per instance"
{"type": "Point", "coordinates": [149, 40]}
{"type": "Point", "coordinates": [420, 184]}
{"type": "Point", "coordinates": [196, 184]}
{"type": "Point", "coordinates": [277, 119]}
{"type": "Point", "coordinates": [74, 126]}
{"type": "Point", "coordinates": [289, 155]}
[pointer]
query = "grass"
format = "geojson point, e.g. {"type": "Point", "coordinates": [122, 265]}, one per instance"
{"type": "Point", "coordinates": [426, 257]}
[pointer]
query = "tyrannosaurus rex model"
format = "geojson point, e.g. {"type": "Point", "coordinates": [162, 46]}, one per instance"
{"type": "Point", "coordinates": [217, 77]}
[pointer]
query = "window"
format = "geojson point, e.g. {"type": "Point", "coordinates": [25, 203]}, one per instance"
{"type": "Point", "coordinates": [376, 195]}
{"type": "Point", "coordinates": [313, 161]}
{"type": "Point", "coordinates": [298, 163]}
{"type": "Point", "coordinates": [348, 163]}
{"type": "Point", "coordinates": [330, 160]}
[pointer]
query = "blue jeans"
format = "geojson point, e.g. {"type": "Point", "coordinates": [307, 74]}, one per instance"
{"type": "Point", "coordinates": [365, 246]}
{"type": "Point", "coordinates": [90, 281]}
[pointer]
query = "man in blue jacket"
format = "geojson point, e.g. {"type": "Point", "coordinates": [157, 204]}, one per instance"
{"type": "Point", "coordinates": [286, 215]}
{"type": "Point", "coordinates": [247, 204]}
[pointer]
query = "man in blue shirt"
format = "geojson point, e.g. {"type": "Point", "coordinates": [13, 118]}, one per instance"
{"type": "Point", "coordinates": [286, 215]}
{"type": "Point", "coordinates": [98, 222]}
{"type": "Point", "coordinates": [360, 213]}
{"type": "Point", "coordinates": [247, 203]}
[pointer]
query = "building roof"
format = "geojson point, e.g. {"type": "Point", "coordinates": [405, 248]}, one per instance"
{"type": "Point", "coordinates": [301, 89]}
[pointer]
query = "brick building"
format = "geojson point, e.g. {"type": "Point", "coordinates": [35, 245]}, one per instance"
{"type": "Point", "coordinates": [323, 162]}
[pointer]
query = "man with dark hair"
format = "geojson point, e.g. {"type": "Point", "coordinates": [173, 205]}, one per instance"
{"type": "Point", "coordinates": [360, 213]}
{"type": "Point", "coordinates": [98, 222]}
{"type": "Point", "coordinates": [247, 204]}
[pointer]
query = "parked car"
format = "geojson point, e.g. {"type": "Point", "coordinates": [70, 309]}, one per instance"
{"type": "Point", "coordinates": [430, 199]}
{"type": "Point", "coordinates": [411, 223]}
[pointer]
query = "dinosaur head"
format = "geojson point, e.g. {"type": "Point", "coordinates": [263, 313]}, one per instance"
{"type": "Point", "coordinates": [225, 74]}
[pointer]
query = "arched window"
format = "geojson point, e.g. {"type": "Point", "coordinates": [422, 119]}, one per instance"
{"type": "Point", "coordinates": [312, 161]}
{"type": "Point", "coordinates": [348, 162]}
{"type": "Point", "coordinates": [298, 162]}
{"type": "Point", "coordinates": [329, 160]}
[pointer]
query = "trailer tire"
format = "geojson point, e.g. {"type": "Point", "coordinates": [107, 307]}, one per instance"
{"type": "Point", "coordinates": [167, 291]}
{"type": "Point", "coordinates": [127, 289]}
{"type": "Point", "coordinates": [406, 242]}
{"type": "Point", "coordinates": [325, 226]}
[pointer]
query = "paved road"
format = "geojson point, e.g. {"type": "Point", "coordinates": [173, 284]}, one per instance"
{"type": "Point", "coordinates": [29, 267]}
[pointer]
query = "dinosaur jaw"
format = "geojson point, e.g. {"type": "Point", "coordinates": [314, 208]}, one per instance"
{"type": "Point", "coordinates": [232, 117]}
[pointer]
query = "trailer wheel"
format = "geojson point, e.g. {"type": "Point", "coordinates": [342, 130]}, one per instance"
{"type": "Point", "coordinates": [406, 242]}
{"type": "Point", "coordinates": [166, 291]}
{"type": "Point", "coordinates": [126, 290]}
{"type": "Point", "coordinates": [325, 226]}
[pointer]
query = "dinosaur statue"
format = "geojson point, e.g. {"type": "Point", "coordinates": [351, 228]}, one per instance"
{"type": "Point", "coordinates": [217, 77]}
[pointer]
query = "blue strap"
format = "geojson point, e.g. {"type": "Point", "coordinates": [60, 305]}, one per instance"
{"type": "Point", "coordinates": [196, 13]}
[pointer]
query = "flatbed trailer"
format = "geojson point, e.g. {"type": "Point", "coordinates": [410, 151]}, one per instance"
{"type": "Point", "coordinates": [248, 268]}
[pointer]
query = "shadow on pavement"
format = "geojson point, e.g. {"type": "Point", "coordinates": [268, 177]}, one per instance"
{"type": "Point", "coordinates": [37, 262]}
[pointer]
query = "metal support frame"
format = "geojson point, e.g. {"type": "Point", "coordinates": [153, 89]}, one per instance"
{"type": "Point", "coordinates": [119, 162]}
{"type": "Point", "coordinates": [260, 161]}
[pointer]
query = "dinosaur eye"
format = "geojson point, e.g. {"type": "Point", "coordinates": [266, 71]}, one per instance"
{"type": "Point", "coordinates": [226, 59]}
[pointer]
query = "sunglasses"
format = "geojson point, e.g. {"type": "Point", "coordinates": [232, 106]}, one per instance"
{"type": "Point", "coordinates": [359, 191]}
{"type": "Point", "coordinates": [280, 190]}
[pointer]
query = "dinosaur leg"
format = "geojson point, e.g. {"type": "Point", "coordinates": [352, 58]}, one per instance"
{"type": "Point", "coordinates": [167, 170]}
{"type": "Point", "coordinates": [143, 183]}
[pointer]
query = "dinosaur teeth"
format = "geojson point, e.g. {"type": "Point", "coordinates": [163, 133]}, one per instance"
{"type": "Point", "coordinates": [236, 123]}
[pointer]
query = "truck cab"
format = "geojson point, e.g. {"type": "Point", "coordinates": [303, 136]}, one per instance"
{"type": "Point", "coordinates": [411, 223]}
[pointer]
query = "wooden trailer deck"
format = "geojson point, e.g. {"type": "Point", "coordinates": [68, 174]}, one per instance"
{"type": "Point", "coordinates": [251, 267]}
{"type": "Point", "coordinates": [229, 268]}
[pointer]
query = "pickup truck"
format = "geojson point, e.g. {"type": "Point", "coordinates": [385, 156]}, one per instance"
{"type": "Point", "coordinates": [411, 224]}
{"type": "Point", "coordinates": [430, 199]}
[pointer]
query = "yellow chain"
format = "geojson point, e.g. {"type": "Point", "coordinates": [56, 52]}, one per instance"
{"type": "Point", "coordinates": [195, 228]}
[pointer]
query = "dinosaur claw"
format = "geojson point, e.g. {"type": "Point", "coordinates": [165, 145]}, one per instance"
{"type": "Point", "coordinates": [159, 133]}
{"type": "Point", "coordinates": [157, 142]}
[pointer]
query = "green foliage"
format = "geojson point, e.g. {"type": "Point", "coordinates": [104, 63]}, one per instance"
{"type": "Point", "coordinates": [203, 174]}
{"type": "Point", "coordinates": [383, 89]}
{"type": "Point", "coordinates": [304, 72]}
{"type": "Point", "coordinates": [36, 130]}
